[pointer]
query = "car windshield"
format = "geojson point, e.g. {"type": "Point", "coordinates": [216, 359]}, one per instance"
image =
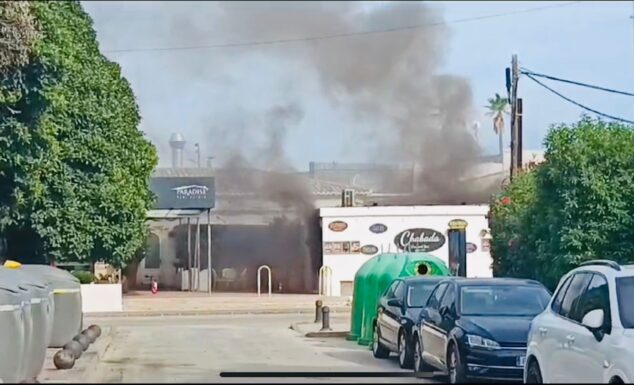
{"type": "Point", "coordinates": [625, 294]}
{"type": "Point", "coordinates": [418, 293]}
{"type": "Point", "coordinates": [503, 300]}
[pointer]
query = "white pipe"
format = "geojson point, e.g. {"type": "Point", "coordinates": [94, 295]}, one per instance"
{"type": "Point", "coordinates": [259, 279]}
{"type": "Point", "coordinates": [325, 281]}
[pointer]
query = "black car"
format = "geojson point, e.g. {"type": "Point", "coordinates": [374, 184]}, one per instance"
{"type": "Point", "coordinates": [477, 328]}
{"type": "Point", "coordinates": [397, 312]}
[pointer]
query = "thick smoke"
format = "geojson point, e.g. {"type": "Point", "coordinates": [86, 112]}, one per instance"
{"type": "Point", "coordinates": [391, 82]}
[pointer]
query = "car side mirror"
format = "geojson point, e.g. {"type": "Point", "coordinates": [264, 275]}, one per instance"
{"type": "Point", "coordinates": [395, 303]}
{"type": "Point", "coordinates": [593, 320]}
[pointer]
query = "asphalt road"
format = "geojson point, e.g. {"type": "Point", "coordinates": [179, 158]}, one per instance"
{"type": "Point", "coordinates": [198, 349]}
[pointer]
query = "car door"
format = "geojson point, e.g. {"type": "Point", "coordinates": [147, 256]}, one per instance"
{"type": "Point", "coordinates": [394, 313]}
{"type": "Point", "coordinates": [431, 335]}
{"type": "Point", "coordinates": [382, 318]}
{"type": "Point", "coordinates": [585, 354]}
{"type": "Point", "coordinates": [560, 330]}
{"type": "Point", "coordinates": [447, 311]}
{"type": "Point", "coordinates": [542, 337]}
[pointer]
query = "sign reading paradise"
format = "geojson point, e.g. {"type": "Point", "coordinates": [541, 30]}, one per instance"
{"type": "Point", "coordinates": [419, 240]}
{"type": "Point", "coordinates": [184, 193]}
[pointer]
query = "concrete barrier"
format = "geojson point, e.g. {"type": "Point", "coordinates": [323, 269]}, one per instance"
{"type": "Point", "coordinates": [102, 298]}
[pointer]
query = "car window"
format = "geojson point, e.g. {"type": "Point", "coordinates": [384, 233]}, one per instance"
{"type": "Point", "coordinates": [559, 296]}
{"type": "Point", "coordinates": [503, 300]}
{"type": "Point", "coordinates": [596, 296]}
{"type": "Point", "coordinates": [389, 293]}
{"type": "Point", "coordinates": [624, 294]}
{"type": "Point", "coordinates": [418, 293]}
{"type": "Point", "coordinates": [434, 299]}
{"type": "Point", "coordinates": [399, 291]}
{"type": "Point", "coordinates": [448, 298]}
{"type": "Point", "coordinates": [577, 286]}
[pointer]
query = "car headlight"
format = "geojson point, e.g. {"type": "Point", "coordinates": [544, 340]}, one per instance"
{"type": "Point", "coordinates": [481, 342]}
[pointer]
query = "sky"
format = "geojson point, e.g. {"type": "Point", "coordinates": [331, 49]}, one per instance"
{"type": "Point", "coordinates": [210, 95]}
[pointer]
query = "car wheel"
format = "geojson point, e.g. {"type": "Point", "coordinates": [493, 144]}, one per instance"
{"type": "Point", "coordinates": [419, 364]}
{"type": "Point", "coordinates": [455, 367]}
{"type": "Point", "coordinates": [378, 350]}
{"type": "Point", "coordinates": [534, 375]}
{"type": "Point", "coordinates": [405, 354]}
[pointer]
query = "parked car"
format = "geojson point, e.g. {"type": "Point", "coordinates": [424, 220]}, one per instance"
{"type": "Point", "coordinates": [397, 312]}
{"type": "Point", "coordinates": [476, 328]}
{"type": "Point", "coordinates": [586, 334]}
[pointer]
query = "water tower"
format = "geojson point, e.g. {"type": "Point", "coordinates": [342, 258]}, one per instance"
{"type": "Point", "coordinates": [177, 144]}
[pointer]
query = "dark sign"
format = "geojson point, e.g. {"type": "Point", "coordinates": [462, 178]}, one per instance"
{"type": "Point", "coordinates": [338, 226]}
{"type": "Point", "coordinates": [184, 193]}
{"type": "Point", "coordinates": [471, 247]}
{"type": "Point", "coordinates": [419, 240]}
{"type": "Point", "coordinates": [369, 249]}
{"type": "Point", "coordinates": [378, 228]}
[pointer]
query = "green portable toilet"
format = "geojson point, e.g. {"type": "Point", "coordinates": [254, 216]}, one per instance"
{"type": "Point", "coordinates": [373, 279]}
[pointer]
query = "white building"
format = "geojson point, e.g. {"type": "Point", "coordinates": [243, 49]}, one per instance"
{"type": "Point", "coordinates": [352, 235]}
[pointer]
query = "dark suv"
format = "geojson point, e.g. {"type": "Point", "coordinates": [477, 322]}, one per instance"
{"type": "Point", "coordinates": [397, 312]}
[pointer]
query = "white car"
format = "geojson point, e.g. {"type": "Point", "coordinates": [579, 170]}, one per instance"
{"type": "Point", "coordinates": [586, 333]}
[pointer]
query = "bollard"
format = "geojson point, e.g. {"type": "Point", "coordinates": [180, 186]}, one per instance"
{"type": "Point", "coordinates": [318, 305]}
{"type": "Point", "coordinates": [325, 326]}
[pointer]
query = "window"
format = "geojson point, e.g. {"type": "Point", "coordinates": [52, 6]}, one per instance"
{"type": "Point", "coordinates": [399, 292]}
{"type": "Point", "coordinates": [624, 294]}
{"type": "Point", "coordinates": [153, 256]}
{"type": "Point", "coordinates": [448, 298]}
{"type": "Point", "coordinates": [434, 299]}
{"type": "Point", "coordinates": [577, 286]}
{"type": "Point", "coordinates": [389, 293]}
{"type": "Point", "coordinates": [596, 296]}
{"type": "Point", "coordinates": [503, 300]}
{"type": "Point", "coordinates": [418, 294]}
{"type": "Point", "coordinates": [556, 306]}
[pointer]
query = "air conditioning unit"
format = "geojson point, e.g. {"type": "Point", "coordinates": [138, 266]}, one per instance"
{"type": "Point", "coordinates": [347, 198]}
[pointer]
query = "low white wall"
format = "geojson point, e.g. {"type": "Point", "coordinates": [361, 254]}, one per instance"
{"type": "Point", "coordinates": [97, 298]}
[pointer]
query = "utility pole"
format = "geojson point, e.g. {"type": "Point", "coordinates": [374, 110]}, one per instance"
{"type": "Point", "coordinates": [514, 74]}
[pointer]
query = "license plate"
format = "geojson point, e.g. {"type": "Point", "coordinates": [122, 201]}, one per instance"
{"type": "Point", "coordinates": [521, 361]}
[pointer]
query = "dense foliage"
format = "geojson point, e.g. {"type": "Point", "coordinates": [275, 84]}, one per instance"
{"type": "Point", "coordinates": [577, 205]}
{"type": "Point", "coordinates": [74, 168]}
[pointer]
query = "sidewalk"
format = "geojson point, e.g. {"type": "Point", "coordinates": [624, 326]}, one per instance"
{"type": "Point", "coordinates": [79, 372]}
{"type": "Point", "coordinates": [185, 303]}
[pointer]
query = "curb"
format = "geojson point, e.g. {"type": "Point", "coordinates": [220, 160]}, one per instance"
{"type": "Point", "coordinates": [319, 334]}
{"type": "Point", "coordinates": [168, 313]}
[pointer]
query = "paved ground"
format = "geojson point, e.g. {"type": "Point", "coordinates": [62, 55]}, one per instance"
{"type": "Point", "coordinates": [198, 348]}
{"type": "Point", "coordinates": [143, 303]}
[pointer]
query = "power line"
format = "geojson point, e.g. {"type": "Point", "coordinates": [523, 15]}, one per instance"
{"type": "Point", "coordinates": [341, 35]}
{"type": "Point", "coordinates": [579, 104]}
{"type": "Point", "coordinates": [526, 71]}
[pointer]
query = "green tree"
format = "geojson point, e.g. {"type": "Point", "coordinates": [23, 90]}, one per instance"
{"type": "Point", "coordinates": [580, 207]}
{"type": "Point", "coordinates": [497, 108]}
{"type": "Point", "coordinates": [74, 168]}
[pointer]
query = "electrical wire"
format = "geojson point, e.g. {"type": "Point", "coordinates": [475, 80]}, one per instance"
{"type": "Point", "coordinates": [579, 104]}
{"type": "Point", "coordinates": [340, 35]}
{"type": "Point", "coordinates": [526, 71]}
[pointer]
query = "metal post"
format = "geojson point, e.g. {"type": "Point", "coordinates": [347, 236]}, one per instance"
{"type": "Point", "coordinates": [189, 253]}
{"type": "Point", "coordinates": [197, 259]}
{"type": "Point", "coordinates": [318, 306]}
{"type": "Point", "coordinates": [260, 280]}
{"type": "Point", "coordinates": [209, 251]}
{"type": "Point", "coordinates": [325, 325]}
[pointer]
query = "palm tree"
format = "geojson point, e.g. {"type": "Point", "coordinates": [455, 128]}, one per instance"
{"type": "Point", "coordinates": [498, 107]}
